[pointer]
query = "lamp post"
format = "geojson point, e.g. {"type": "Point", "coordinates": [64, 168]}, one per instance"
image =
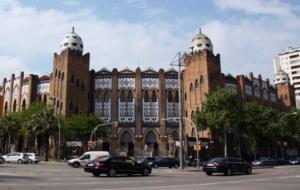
{"type": "Point", "coordinates": [197, 139]}
{"type": "Point", "coordinates": [100, 125]}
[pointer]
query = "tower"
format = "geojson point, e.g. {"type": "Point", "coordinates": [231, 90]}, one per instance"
{"type": "Point", "coordinates": [285, 91]}
{"type": "Point", "coordinates": [69, 85]}
{"type": "Point", "coordinates": [202, 74]}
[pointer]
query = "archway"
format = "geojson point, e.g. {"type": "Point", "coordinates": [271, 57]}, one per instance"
{"type": "Point", "coordinates": [127, 143]}
{"type": "Point", "coordinates": [151, 144]}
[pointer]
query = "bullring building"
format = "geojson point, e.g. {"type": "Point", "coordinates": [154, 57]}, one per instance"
{"type": "Point", "coordinates": [141, 101]}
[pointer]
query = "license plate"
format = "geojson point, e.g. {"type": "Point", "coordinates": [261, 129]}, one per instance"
{"type": "Point", "coordinates": [210, 164]}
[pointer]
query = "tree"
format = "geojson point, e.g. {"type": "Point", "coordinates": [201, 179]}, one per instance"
{"type": "Point", "coordinates": [9, 129]}
{"type": "Point", "coordinates": [221, 112]}
{"type": "Point", "coordinates": [41, 124]}
{"type": "Point", "coordinates": [80, 127]}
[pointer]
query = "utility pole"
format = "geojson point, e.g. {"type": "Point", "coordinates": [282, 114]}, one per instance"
{"type": "Point", "coordinates": [179, 64]}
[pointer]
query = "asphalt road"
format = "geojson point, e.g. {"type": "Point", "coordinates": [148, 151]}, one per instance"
{"type": "Point", "coordinates": [61, 176]}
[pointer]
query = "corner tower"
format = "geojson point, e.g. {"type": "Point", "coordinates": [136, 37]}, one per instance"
{"type": "Point", "coordinates": [69, 85]}
{"type": "Point", "coordinates": [202, 74]}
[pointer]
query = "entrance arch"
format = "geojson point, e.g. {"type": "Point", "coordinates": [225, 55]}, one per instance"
{"type": "Point", "coordinates": [151, 144]}
{"type": "Point", "coordinates": [126, 142]}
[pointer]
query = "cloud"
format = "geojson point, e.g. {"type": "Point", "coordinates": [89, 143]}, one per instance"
{"type": "Point", "coordinates": [33, 35]}
{"type": "Point", "coordinates": [148, 10]}
{"type": "Point", "coordinates": [265, 7]}
{"type": "Point", "coordinates": [71, 2]}
{"type": "Point", "coordinates": [10, 65]}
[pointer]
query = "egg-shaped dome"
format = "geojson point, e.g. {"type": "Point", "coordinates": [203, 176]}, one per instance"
{"type": "Point", "coordinates": [72, 41]}
{"type": "Point", "coordinates": [281, 77]}
{"type": "Point", "coordinates": [200, 43]}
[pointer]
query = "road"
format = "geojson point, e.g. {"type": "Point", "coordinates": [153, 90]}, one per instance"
{"type": "Point", "coordinates": [61, 176]}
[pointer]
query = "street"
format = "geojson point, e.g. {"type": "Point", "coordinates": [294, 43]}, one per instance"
{"type": "Point", "coordinates": [61, 176]}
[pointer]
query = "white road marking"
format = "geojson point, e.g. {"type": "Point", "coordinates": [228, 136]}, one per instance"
{"type": "Point", "coordinates": [203, 184]}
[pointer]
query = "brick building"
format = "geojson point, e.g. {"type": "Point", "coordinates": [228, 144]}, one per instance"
{"type": "Point", "coordinates": [141, 101]}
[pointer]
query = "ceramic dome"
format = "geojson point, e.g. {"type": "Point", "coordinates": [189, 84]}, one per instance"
{"type": "Point", "coordinates": [72, 41]}
{"type": "Point", "coordinates": [200, 43]}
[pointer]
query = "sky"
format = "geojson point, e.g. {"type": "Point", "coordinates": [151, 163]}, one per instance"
{"type": "Point", "coordinates": [147, 33]}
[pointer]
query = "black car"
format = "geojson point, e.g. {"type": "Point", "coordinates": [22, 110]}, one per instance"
{"type": "Point", "coordinates": [226, 165]}
{"type": "Point", "coordinates": [116, 165]}
{"type": "Point", "coordinates": [294, 161]}
{"type": "Point", "coordinates": [264, 161]}
{"type": "Point", "coordinates": [165, 162]}
{"type": "Point", "coordinates": [148, 160]}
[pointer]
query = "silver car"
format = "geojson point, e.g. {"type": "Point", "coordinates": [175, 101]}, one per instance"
{"type": "Point", "coordinates": [16, 157]}
{"type": "Point", "coordinates": [33, 158]}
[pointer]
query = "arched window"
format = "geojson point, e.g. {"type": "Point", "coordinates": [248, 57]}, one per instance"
{"type": "Point", "coordinates": [62, 76]}
{"type": "Point", "coordinates": [123, 96]}
{"type": "Point", "coordinates": [170, 97]}
{"type": "Point", "coordinates": [176, 96]}
{"type": "Point", "coordinates": [191, 87]}
{"type": "Point", "coordinates": [61, 106]}
{"type": "Point", "coordinates": [55, 72]}
{"type": "Point", "coordinates": [146, 97]}
{"type": "Point", "coordinates": [71, 106]}
{"type": "Point", "coordinates": [77, 82]}
{"type": "Point", "coordinates": [40, 98]}
{"type": "Point", "coordinates": [15, 106]}
{"type": "Point", "coordinates": [130, 96]}
{"type": "Point", "coordinates": [82, 86]}
{"type": "Point", "coordinates": [286, 96]}
{"type": "Point", "coordinates": [201, 79]}
{"type": "Point", "coordinates": [23, 104]}
{"type": "Point", "coordinates": [57, 104]}
{"type": "Point", "coordinates": [150, 138]}
{"type": "Point", "coordinates": [154, 97]}
{"type": "Point", "coordinates": [72, 79]}
{"type": "Point", "coordinates": [58, 74]}
{"type": "Point", "coordinates": [45, 99]}
{"type": "Point", "coordinates": [196, 84]}
{"type": "Point", "coordinates": [5, 107]}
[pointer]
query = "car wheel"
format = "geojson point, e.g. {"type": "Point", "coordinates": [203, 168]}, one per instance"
{"type": "Point", "coordinates": [176, 166]}
{"type": "Point", "coordinates": [155, 165]}
{"type": "Point", "coordinates": [146, 172]}
{"type": "Point", "coordinates": [30, 161]}
{"type": "Point", "coordinates": [249, 171]}
{"type": "Point", "coordinates": [112, 173]}
{"type": "Point", "coordinates": [228, 172]}
{"type": "Point", "coordinates": [20, 161]}
{"type": "Point", "coordinates": [76, 164]}
{"type": "Point", "coordinates": [96, 174]}
{"type": "Point", "coordinates": [208, 173]}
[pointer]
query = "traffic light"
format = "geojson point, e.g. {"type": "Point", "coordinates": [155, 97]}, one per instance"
{"type": "Point", "coordinates": [197, 147]}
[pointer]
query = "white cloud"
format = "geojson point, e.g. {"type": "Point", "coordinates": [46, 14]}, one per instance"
{"type": "Point", "coordinates": [266, 7]}
{"type": "Point", "coordinates": [148, 10]}
{"type": "Point", "coordinates": [10, 65]}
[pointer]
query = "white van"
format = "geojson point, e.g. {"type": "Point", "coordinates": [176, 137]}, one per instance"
{"type": "Point", "coordinates": [87, 157]}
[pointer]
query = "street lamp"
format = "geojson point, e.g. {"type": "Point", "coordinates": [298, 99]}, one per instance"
{"type": "Point", "coordinates": [197, 139]}
{"type": "Point", "coordinates": [100, 125]}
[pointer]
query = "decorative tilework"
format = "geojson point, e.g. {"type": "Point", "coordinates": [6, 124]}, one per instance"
{"type": "Point", "coordinates": [43, 87]}
{"type": "Point", "coordinates": [126, 111]}
{"type": "Point", "coordinates": [231, 87]}
{"type": "Point", "coordinates": [126, 83]}
{"type": "Point", "coordinates": [171, 83]}
{"type": "Point", "coordinates": [248, 90]}
{"type": "Point", "coordinates": [172, 110]}
{"type": "Point", "coordinates": [103, 109]}
{"type": "Point", "coordinates": [150, 83]}
{"type": "Point", "coordinates": [150, 112]}
{"type": "Point", "coordinates": [103, 83]}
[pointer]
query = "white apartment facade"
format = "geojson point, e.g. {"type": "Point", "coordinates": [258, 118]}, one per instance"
{"type": "Point", "coordinates": [289, 62]}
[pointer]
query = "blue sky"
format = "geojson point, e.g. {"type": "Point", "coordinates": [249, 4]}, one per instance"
{"type": "Point", "coordinates": [147, 33]}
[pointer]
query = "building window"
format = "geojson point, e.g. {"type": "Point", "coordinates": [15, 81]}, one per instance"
{"type": "Point", "coordinates": [71, 106]}
{"type": "Point", "coordinates": [62, 76]}
{"type": "Point", "coordinates": [59, 75]}
{"type": "Point", "coordinates": [57, 104]}
{"type": "Point", "coordinates": [77, 82]}
{"type": "Point", "coordinates": [45, 99]}
{"type": "Point", "coordinates": [55, 72]}
{"type": "Point", "coordinates": [5, 107]}
{"type": "Point", "coordinates": [72, 79]}
{"type": "Point", "coordinates": [15, 106]}
{"type": "Point", "coordinates": [82, 86]}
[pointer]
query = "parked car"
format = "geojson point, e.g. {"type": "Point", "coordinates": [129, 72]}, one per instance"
{"type": "Point", "coordinates": [33, 158]}
{"type": "Point", "coordinates": [113, 166]}
{"type": "Point", "coordinates": [147, 160]}
{"type": "Point", "coordinates": [17, 157]}
{"type": "Point", "coordinates": [227, 165]}
{"type": "Point", "coordinates": [87, 157]}
{"type": "Point", "coordinates": [2, 161]}
{"type": "Point", "coordinates": [165, 162]}
{"type": "Point", "coordinates": [264, 161]}
{"type": "Point", "coordinates": [282, 162]}
{"type": "Point", "coordinates": [294, 161]}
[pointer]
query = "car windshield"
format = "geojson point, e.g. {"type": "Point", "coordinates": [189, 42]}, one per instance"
{"type": "Point", "coordinates": [217, 159]}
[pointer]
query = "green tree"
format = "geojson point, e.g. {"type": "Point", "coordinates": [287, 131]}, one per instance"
{"type": "Point", "coordinates": [221, 112]}
{"type": "Point", "coordinates": [9, 130]}
{"type": "Point", "coordinates": [79, 127]}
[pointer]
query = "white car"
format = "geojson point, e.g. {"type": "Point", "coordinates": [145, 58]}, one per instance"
{"type": "Point", "coordinates": [33, 158]}
{"type": "Point", "coordinates": [87, 157]}
{"type": "Point", "coordinates": [16, 157]}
